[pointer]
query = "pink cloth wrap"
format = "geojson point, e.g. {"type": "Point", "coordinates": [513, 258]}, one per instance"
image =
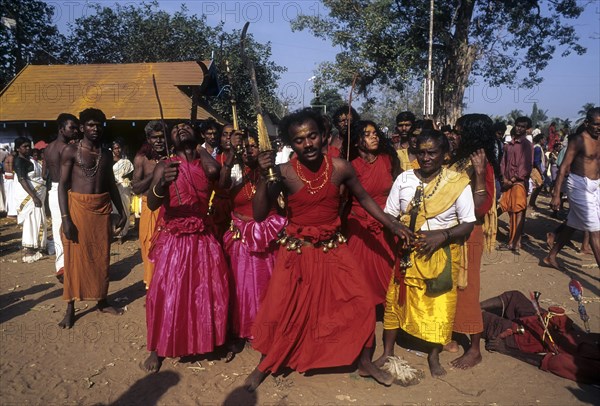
{"type": "Point", "coordinates": [187, 301]}
{"type": "Point", "coordinates": [252, 258]}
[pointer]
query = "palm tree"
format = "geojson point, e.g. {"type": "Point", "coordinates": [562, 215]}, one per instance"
{"type": "Point", "coordinates": [513, 115]}
{"type": "Point", "coordinates": [583, 112]}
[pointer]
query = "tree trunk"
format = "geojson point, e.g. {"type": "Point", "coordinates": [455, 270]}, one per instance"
{"type": "Point", "coordinates": [459, 62]}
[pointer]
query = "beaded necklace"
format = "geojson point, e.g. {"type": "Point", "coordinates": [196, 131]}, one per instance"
{"type": "Point", "coordinates": [89, 172]}
{"type": "Point", "coordinates": [438, 179]}
{"type": "Point", "coordinates": [320, 174]}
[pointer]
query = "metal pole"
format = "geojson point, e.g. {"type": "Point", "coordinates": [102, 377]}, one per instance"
{"type": "Point", "coordinates": [428, 91]}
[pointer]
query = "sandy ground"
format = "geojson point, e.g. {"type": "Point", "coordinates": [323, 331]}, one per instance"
{"type": "Point", "coordinates": [97, 361]}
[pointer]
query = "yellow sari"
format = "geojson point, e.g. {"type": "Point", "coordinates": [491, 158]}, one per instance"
{"type": "Point", "coordinates": [426, 317]}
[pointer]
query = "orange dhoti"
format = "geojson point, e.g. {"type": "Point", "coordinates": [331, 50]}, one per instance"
{"type": "Point", "coordinates": [88, 259]}
{"type": "Point", "coordinates": [468, 319]}
{"type": "Point", "coordinates": [148, 220]}
{"type": "Point", "coordinates": [514, 199]}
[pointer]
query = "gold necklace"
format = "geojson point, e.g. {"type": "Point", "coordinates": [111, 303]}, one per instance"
{"type": "Point", "coordinates": [308, 183]}
{"type": "Point", "coordinates": [252, 182]}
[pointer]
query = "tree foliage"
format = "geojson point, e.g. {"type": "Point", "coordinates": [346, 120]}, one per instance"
{"type": "Point", "coordinates": [143, 33]}
{"type": "Point", "coordinates": [386, 41]}
{"type": "Point", "coordinates": [583, 112]}
{"type": "Point", "coordinates": [328, 97]}
{"type": "Point", "coordinates": [538, 116]}
{"type": "Point", "coordinates": [34, 39]}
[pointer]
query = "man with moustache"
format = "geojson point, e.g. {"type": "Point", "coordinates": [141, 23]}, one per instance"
{"type": "Point", "coordinates": [405, 121]}
{"type": "Point", "coordinates": [316, 312]}
{"type": "Point", "coordinates": [85, 191]}
{"type": "Point", "coordinates": [187, 302]}
{"type": "Point", "coordinates": [144, 163]}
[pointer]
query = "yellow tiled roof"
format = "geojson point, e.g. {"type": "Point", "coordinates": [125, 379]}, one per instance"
{"type": "Point", "coordinates": [121, 91]}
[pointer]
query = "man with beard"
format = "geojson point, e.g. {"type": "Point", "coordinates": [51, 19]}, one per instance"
{"type": "Point", "coordinates": [68, 129]}
{"type": "Point", "coordinates": [405, 121]}
{"type": "Point", "coordinates": [582, 164]}
{"type": "Point", "coordinates": [343, 118]}
{"type": "Point", "coordinates": [316, 312]}
{"type": "Point", "coordinates": [85, 191]}
{"type": "Point", "coordinates": [188, 299]}
{"type": "Point", "coordinates": [144, 163]}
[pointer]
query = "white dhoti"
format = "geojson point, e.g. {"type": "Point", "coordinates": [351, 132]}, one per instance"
{"type": "Point", "coordinates": [584, 203]}
{"type": "Point", "coordinates": [32, 219]}
{"type": "Point", "coordinates": [11, 207]}
{"type": "Point", "coordinates": [56, 223]}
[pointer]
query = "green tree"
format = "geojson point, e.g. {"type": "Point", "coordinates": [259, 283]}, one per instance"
{"type": "Point", "coordinates": [33, 39]}
{"type": "Point", "coordinates": [501, 41]}
{"type": "Point", "coordinates": [513, 115]}
{"type": "Point", "coordinates": [538, 116]}
{"type": "Point", "coordinates": [143, 33]}
{"type": "Point", "coordinates": [582, 113]}
{"type": "Point", "coordinates": [328, 97]}
{"type": "Point", "coordinates": [383, 107]}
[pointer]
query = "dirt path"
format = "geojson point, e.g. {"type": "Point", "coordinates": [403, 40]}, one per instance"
{"type": "Point", "coordinates": [97, 361]}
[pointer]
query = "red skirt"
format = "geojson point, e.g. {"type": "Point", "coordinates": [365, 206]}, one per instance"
{"type": "Point", "coordinates": [316, 312]}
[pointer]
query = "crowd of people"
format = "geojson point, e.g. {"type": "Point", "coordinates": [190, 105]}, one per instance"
{"type": "Point", "coordinates": [356, 227]}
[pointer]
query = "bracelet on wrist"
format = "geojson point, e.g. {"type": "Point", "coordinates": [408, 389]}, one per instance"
{"type": "Point", "coordinates": [156, 194]}
{"type": "Point", "coordinates": [480, 191]}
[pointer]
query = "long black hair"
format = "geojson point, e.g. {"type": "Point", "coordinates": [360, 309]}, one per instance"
{"type": "Point", "coordinates": [477, 131]}
{"type": "Point", "coordinates": [385, 146]}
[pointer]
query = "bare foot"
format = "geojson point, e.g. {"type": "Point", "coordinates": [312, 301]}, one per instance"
{"type": "Point", "coordinates": [104, 307]}
{"type": "Point", "coordinates": [452, 347]}
{"type": "Point", "coordinates": [153, 363]}
{"type": "Point", "coordinates": [550, 239]}
{"type": "Point", "coordinates": [69, 320]}
{"type": "Point", "coordinates": [436, 369]}
{"type": "Point", "coordinates": [368, 369]}
{"type": "Point", "coordinates": [495, 345]}
{"type": "Point", "coordinates": [551, 262]}
{"type": "Point", "coordinates": [468, 360]}
{"type": "Point", "coordinates": [586, 251]}
{"type": "Point", "coordinates": [381, 360]}
{"type": "Point", "coordinates": [254, 380]}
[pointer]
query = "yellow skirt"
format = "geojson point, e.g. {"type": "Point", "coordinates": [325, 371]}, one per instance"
{"type": "Point", "coordinates": [422, 316]}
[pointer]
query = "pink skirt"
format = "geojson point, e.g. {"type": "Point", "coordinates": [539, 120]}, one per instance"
{"type": "Point", "coordinates": [187, 301]}
{"type": "Point", "coordinates": [251, 252]}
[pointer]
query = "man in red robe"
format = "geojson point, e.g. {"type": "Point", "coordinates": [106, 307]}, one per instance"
{"type": "Point", "coordinates": [316, 312]}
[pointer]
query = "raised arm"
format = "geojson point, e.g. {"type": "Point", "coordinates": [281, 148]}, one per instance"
{"type": "Point", "coordinates": [266, 192]}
